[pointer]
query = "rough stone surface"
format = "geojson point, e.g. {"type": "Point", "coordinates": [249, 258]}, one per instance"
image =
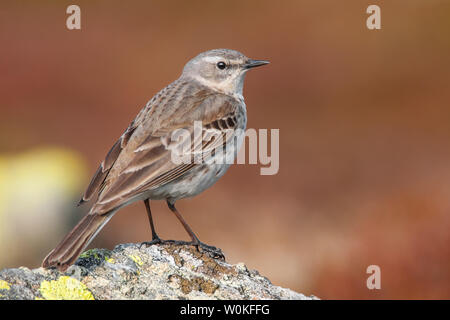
{"type": "Point", "coordinates": [132, 271]}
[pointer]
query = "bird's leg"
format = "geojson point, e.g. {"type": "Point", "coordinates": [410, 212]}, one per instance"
{"type": "Point", "coordinates": [210, 250]}
{"type": "Point", "coordinates": [155, 238]}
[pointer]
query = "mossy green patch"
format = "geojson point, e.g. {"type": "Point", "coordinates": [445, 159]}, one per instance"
{"type": "Point", "coordinates": [93, 257]}
{"type": "Point", "coordinates": [65, 288]}
{"type": "Point", "coordinates": [91, 253]}
{"type": "Point", "coordinates": [4, 285]}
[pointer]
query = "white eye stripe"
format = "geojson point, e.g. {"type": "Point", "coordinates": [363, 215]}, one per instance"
{"type": "Point", "coordinates": [213, 59]}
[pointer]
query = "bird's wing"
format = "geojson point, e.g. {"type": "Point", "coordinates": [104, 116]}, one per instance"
{"type": "Point", "coordinates": [141, 159]}
{"type": "Point", "coordinates": [102, 172]}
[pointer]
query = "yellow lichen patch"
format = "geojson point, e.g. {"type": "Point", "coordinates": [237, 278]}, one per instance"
{"type": "Point", "coordinates": [136, 259]}
{"type": "Point", "coordinates": [65, 288]}
{"type": "Point", "coordinates": [110, 260]}
{"type": "Point", "coordinates": [4, 285]}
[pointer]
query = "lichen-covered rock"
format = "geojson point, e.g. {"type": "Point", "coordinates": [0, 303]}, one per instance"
{"type": "Point", "coordinates": [133, 271]}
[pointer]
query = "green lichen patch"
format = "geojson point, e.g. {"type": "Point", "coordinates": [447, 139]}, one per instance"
{"type": "Point", "coordinates": [93, 257]}
{"type": "Point", "coordinates": [91, 253]}
{"type": "Point", "coordinates": [64, 288]}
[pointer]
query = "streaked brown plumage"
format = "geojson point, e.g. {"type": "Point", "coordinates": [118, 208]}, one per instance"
{"type": "Point", "coordinates": [139, 166]}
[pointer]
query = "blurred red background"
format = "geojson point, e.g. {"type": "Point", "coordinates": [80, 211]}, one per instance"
{"type": "Point", "coordinates": [363, 116]}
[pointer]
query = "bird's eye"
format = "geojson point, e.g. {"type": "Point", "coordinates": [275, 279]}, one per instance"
{"type": "Point", "coordinates": [221, 65]}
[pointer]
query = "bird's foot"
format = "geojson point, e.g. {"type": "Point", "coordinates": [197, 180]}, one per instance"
{"type": "Point", "coordinates": [155, 240]}
{"type": "Point", "coordinates": [213, 252]}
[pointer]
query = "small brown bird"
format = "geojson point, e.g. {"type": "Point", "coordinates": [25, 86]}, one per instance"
{"type": "Point", "coordinates": [140, 164]}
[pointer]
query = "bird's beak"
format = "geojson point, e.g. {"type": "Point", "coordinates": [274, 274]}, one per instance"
{"type": "Point", "coordinates": [254, 63]}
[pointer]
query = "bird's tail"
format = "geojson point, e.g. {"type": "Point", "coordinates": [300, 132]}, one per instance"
{"type": "Point", "coordinates": [76, 241]}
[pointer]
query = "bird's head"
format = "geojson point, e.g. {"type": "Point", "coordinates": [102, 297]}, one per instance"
{"type": "Point", "coordinates": [221, 69]}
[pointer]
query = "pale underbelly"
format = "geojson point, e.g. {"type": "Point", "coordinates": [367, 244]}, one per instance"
{"type": "Point", "coordinates": [198, 179]}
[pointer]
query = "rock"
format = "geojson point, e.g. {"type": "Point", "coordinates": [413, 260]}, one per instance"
{"type": "Point", "coordinates": [132, 271]}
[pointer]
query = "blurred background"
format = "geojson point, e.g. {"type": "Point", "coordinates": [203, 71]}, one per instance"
{"type": "Point", "coordinates": [364, 123]}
